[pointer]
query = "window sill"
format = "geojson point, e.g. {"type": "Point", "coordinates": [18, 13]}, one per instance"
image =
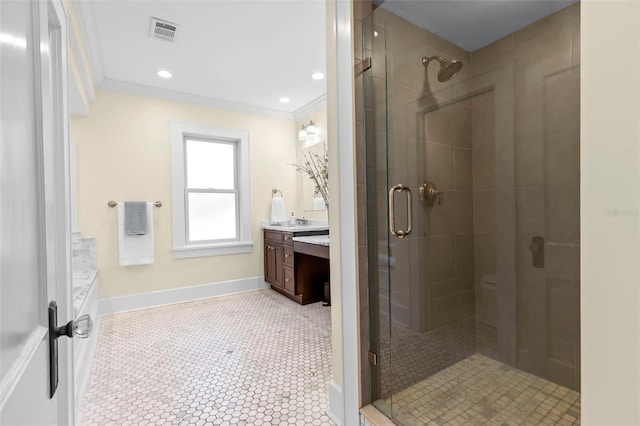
{"type": "Point", "coordinates": [212, 250]}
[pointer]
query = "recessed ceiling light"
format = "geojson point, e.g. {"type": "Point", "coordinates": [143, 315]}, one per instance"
{"type": "Point", "coordinates": [317, 76]}
{"type": "Point", "coordinates": [164, 74]}
{"type": "Point", "coordinates": [285, 100]}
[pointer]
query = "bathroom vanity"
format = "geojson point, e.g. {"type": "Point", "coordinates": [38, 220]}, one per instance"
{"type": "Point", "coordinates": [297, 269]}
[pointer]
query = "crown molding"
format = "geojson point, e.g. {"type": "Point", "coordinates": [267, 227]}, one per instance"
{"type": "Point", "coordinates": [170, 95]}
{"type": "Point", "coordinates": [87, 22]}
{"type": "Point", "coordinates": [87, 84]}
{"type": "Point", "coordinates": [312, 106]}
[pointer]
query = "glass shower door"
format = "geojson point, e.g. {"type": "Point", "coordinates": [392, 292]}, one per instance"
{"type": "Point", "coordinates": [420, 215]}
{"type": "Point", "coordinates": [473, 224]}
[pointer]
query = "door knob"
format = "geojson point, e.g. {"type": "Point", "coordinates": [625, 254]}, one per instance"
{"type": "Point", "coordinates": [80, 328]}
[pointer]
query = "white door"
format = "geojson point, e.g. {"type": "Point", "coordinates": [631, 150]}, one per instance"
{"type": "Point", "coordinates": [34, 213]}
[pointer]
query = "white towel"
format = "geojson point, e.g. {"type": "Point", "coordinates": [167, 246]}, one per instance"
{"type": "Point", "coordinates": [278, 210]}
{"type": "Point", "coordinates": [135, 249]}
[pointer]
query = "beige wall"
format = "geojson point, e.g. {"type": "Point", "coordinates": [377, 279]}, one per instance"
{"type": "Point", "coordinates": [124, 154]}
{"type": "Point", "coordinates": [319, 118]}
{"type": "Point", "coordinates": [610, 199]}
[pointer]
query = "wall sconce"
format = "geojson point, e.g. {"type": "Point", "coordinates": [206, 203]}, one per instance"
{"type": "Point", "coordinates": [308, 132]}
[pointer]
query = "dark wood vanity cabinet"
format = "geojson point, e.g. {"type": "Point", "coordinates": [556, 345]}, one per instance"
{"type": "Point", "coordinates": [273, 258]}
{"type": "Point", "coordinates": [280, 265]}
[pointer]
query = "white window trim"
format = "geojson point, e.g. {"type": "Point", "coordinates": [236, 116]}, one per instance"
{"type": "Point", "coordinates": [180, 249]}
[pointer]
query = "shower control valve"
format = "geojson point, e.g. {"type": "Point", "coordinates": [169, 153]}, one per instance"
{"type": "Point", "coordinates": [429, 193]}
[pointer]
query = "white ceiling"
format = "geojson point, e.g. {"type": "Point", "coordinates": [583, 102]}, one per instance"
{"type": "Point", "coordinates": [245, 52]}
{"type": "Point", "coordinates": [249, 53]}
{"type": "Point", "coordinates": [472, 24]}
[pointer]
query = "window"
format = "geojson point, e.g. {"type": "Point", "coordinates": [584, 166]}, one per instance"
{"type": "Point", "coordinates": [211, 198]}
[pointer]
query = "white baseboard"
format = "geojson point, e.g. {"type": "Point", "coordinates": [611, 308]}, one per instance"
{"type": "Point", "coordinates": [336, 403]}
{"type": "Point", "coordinates": [133, 302]}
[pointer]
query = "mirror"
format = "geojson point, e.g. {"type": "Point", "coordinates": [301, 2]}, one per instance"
{"type": "Point", "coordinates": [311, 199]}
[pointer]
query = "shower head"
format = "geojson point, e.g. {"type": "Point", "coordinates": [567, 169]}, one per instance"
{"type": "Point", "coordinates": [448, 67]}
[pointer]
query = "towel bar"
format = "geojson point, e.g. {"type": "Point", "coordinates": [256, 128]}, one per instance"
{"type": "Point", "coordinates": [274, 191]}
{"type": "Point", "coordinates": [112, 203]}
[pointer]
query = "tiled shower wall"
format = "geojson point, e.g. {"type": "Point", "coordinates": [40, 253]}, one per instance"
{"type": "Point", "coordinates": [543, 62]}
{"type": "Point", "coordinates": [502, 140]}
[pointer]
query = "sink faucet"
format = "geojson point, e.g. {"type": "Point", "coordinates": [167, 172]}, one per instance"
{"type": "Point", "coordinates": [302, 221]}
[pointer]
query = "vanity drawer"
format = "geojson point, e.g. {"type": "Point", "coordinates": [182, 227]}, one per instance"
{"type": "Point", "coordinates": [287, 238]}
{"type": "Point", "coordinates": [289, 280]}
{"type": "Point", "coordinates": [288, 256]}
{"type": "Point", "coordinates": [273, 236]}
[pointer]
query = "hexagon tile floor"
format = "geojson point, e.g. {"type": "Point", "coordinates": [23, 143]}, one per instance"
{"type": "Point", "coordinates": [254, 358]}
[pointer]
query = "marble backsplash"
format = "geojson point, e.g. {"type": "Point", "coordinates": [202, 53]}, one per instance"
{"type": "Point", "coordinates": [84, 268]}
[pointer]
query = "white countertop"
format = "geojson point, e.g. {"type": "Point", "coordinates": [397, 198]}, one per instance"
{"type": "Point", "coordinates": [320, 240]}
{"type": "Point", "coordinates": [313, 225]}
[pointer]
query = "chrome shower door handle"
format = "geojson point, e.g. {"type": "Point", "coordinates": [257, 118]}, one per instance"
{"type": "Point", "coordinates": [392, 216]}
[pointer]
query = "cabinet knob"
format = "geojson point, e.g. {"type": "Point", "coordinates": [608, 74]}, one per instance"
{"type": "Point", "coordinates": [287, 279]}
{"type": "Point", "coordinates": [286, 255]}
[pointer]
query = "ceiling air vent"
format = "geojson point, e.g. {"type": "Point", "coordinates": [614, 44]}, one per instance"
{"type": "Point", "coordinates": [163, 30]}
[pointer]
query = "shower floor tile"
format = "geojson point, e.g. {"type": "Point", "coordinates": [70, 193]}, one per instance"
{"type": "Point", "coordinates": [254, 358]}
{"type": "Point", "coordinates": [479, 390]}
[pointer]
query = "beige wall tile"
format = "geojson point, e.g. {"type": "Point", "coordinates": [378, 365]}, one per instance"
{"type": "Point", "coordinates": [495, 62]}
{"type": "Point", "coordinates": [378, 52]}
{"type": "Point", "coordinates": [481, 99]}
{"type": "Point", "coordinates": [449, 125]}
{"type": "Point", "coordinates": [562, 105]}
{"type": "Point", "coordinates": [530, 160]}
{"type": "Point", "coordinates": [404, 60]}
{"type": "Point", "coordinates": [463, 173]}
{"type": "Point", "coordinates": [562, 262]}
{"type": "Point", "coordinates": [450, 287]}
{"type": "Point", "coordinates": [547, 24]}
{"type": "Point", "coordinates": [440, 161]}
{"type": "Point", "coordinates": [460, 210]}
{"type": "Point", "coordinates": [530, 211]}
{"type": "Point", "coordinates": [397, 160]}
{"type": "Point", "coordinates": [406, 28]}
{"type": "Point", "coordinates": [563, 211]}
{"type": "Point", "coordinates": [486, 302]}
{"type": "Point", "coordinates": [464, 254]}
{"type": "Point", "coordinates": [484, 211]}
{"type": "Point", "coordinates": [505, 218]}
{"type": "Point", "coordinates": [562, 157]}
{"type": "Point", "coordinates": [487, 53]}
{"type": "Point", "coordinates": [484, 168]}
{"type": "Point", "coordinates": [505, 165]}
{"type": "Point", "coordinates": [533, 75]}
{"type": "Point", "coordinates": [529, 113]}
{"type": "Point", "coordinates": [440, 258]}
{"type": "Point", "coordinates": [485, 253]}
{"type": "Point", "coordinates": [546, 45]}
{"type": "Point", "coordinates": [483, 120]}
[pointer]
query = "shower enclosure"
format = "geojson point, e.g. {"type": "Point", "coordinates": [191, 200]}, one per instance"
{"type": "Point", "coordinates": [472, 189]}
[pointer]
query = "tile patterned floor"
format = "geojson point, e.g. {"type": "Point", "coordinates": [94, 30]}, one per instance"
{"type": "Point", "coordinates": [479, 391]}
{"type": "Point", "coordinates": [254, 358]}
{"type": "Point", "coordinates": [407, 357]}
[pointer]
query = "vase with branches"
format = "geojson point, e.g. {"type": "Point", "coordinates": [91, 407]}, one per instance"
{"type": "Point", "coordinates": [316, 167]}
